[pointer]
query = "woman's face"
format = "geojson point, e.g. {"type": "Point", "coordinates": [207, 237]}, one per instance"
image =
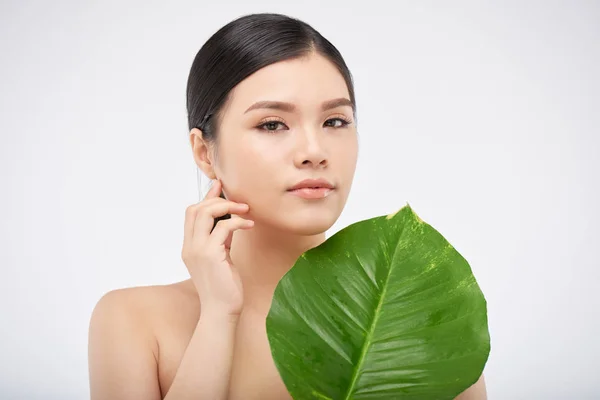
{"type": "Point", "coordinates": [264, 151]}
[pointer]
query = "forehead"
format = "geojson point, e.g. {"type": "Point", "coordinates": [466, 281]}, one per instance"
{"type": "Point", "coordinates": [306, 81]}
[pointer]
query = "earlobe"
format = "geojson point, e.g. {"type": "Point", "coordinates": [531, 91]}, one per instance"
{"type": "Point", "coordinates": [201, 153]}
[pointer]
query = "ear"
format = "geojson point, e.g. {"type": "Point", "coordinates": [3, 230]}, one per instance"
{"type": "Point", "coordinates": [202, 153]}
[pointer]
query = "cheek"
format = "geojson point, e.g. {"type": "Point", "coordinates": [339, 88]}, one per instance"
{"type": "Point", "coordinates": [250, 170]}
{"type": "Point", "coordinates": [348, 157]}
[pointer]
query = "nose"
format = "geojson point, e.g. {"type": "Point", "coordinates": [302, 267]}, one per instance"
{"type": "Point", "coordinates": [311, 151]}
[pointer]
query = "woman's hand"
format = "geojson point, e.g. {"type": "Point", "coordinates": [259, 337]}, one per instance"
{"type": "Point", "coordinates": [206, 253]}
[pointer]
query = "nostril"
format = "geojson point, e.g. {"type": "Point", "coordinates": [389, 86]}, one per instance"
{"type": "Point", "coordinates": [320, 163]}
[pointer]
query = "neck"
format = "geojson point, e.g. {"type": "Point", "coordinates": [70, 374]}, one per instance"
{"type": "Point", "coordinates": [262, 256]}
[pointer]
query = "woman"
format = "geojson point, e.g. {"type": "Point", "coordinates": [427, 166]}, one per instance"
{"type": "Point", "coordinates": [271, 112]}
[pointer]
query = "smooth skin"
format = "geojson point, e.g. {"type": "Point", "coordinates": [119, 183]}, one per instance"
{"type": "Point", "coordinates": [158, 342]}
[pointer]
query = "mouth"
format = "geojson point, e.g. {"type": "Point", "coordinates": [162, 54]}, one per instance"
{"type": "Point", "coordinates": [312, 188]}
{"type": "Point", "coordinates": [311, 192]}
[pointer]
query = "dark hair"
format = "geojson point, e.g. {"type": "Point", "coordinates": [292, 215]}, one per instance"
{"type": "Point", "coordinates": [239, 49]}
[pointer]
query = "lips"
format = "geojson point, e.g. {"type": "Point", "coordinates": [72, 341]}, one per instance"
{"type": "Point", "coordinates": [320, 183]}
{"type": "Point", "coordinates": [312, 188]}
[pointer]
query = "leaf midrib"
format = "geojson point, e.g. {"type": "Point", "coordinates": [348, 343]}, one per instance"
{"type": "Point", "coordinates": [367, 342]}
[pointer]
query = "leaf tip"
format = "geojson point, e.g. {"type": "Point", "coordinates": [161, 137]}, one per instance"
{"type": "Point", "coordinates": [406, 206]}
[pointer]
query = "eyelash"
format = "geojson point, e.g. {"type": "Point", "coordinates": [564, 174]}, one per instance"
{"type": "Point", "coordinates": [345, 123]}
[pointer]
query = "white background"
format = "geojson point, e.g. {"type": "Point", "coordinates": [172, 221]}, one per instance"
{"type": "Point", "coordinates": [484, 116]}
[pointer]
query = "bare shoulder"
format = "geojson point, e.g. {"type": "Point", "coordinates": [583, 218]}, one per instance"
{"type": "Point", "coordinates": [143, 311]}
{"type": "Point", "coordinates": [152, 295]}
{"type": "Point", "coordinates": [124, 344]}
{"type": "Point", "coordinates": [148, 306]}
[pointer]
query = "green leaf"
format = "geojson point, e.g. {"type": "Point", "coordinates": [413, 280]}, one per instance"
{"type": "Point", "coordinates": [384, 309]}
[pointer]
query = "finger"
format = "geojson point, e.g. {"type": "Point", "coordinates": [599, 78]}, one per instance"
{"type": "Point", "coordinates": [188, 226]}
{"type": "Point", "coordinates": [190, 219]}
{"type": "Point", "coordinates": [205, 219]}
{"type": "Point", "coordinates": [227, 242]}
{"type": "Point", "coordinates": [191, 213]}
{"type": "Point", "coordinates": [215, 190]}
{"type": "Point", "coordinates": [225, 228]}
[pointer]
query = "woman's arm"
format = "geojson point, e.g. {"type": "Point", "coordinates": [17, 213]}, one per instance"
{"type": "Point", "coordinates": [475, 392]}
{"type": "Point", "coordinates": [205, 368]}
{"type": "Point", "coordinates": [123, 355]}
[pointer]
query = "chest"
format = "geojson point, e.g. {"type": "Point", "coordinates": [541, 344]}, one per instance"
{"type": "Point", "coordinates": [253, 372]}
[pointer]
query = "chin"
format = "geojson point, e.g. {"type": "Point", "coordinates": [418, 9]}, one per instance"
{"type": "Point", "coordinates": [299, 219]}
{"type": "Point", "coordinates": [309, 225]}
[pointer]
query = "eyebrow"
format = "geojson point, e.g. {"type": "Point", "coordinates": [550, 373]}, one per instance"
{"type": "Point", "coordinates": [289, 107]}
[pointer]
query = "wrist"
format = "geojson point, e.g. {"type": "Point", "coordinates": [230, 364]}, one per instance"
{"type": "Point", "coordinates": [216, 316]}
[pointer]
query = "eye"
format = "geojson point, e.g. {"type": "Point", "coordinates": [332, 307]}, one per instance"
{"type": "Point", "coordinates": [271, 125]}
{"type": "Point", "coordinates": [343, 122]}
